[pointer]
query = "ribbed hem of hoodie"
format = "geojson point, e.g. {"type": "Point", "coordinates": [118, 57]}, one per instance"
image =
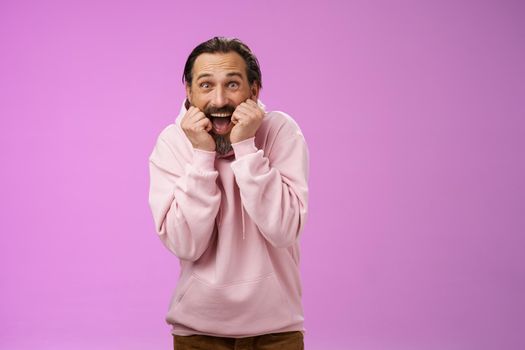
{"type": "Point", "coordinates": [204, 160]}
{"type": "Point", "coordinates": [244, 147]}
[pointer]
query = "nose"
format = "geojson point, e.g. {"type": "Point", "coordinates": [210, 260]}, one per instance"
{"type": "Point", "coordinates": [219, 98]}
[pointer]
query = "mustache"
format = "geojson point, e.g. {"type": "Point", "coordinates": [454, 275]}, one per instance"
{"type": "Point", "coordinates": [229, 109]}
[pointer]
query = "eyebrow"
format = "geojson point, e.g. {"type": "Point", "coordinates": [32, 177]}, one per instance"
{"type": "Point", "coordinates": [204, 75]}
{"type": "Point", "coordinates": [234, 74]}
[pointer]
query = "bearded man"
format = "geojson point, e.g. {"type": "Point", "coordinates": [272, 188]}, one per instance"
{"type": "Point", "coordinates": [229, 198]}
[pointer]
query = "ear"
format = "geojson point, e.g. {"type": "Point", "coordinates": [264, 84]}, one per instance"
{"type": "Point", "coordinates": [188, 92]}
{"type": "Point", "coordinates": [254, 89]}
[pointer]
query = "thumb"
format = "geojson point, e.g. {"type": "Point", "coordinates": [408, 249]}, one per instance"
{"type": "Point", "coordinates": [209, 126]}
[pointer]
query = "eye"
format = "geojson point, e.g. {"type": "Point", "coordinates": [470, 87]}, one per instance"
{"type": "Point", "coordinates": [204, 85]}
{"type": "Point", "coordinates": [233, 84]}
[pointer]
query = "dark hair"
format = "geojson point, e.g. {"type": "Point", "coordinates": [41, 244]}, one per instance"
{"type": "Point", "coordinates": [225, 45]}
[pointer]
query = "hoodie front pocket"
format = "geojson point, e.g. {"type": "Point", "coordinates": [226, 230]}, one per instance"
{"type": "Point", "coordinates": [247, 307]}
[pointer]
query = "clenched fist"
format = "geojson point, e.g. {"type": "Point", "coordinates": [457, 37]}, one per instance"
{"type": "Point", "coordinates": [247, 118]}
{"type": "Point", "coordinates": [196, 126]}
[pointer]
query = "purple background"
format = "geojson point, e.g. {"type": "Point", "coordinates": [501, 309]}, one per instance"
{"type": "Point", "coordinates": [414, 116]}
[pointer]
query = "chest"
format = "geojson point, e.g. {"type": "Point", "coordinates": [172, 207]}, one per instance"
{"type": "Point", "coordinates": [230, 195]}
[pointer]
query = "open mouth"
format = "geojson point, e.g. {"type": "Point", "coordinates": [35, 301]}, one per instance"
{"type": "Point", "coordinates": [220, 121]}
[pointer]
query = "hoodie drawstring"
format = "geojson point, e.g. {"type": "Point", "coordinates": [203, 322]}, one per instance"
{"type": "Point", "coordinates": [242, 216]}
{"type": "Point", "coordinates": [219, 217]}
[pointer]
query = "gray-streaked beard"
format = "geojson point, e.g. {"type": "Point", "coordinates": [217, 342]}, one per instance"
{"type": "Point", "coordinates": [222, 143]}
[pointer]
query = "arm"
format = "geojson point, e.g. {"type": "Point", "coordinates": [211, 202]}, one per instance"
{"type": "Point", "coordinates": [274, 189]}
{"type": "Point", "coordinates": [184, 199]}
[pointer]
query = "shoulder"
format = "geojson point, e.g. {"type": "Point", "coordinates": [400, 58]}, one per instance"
{"type": "Point", "coordinates": [278, 120]}
{"type": "Point", "coordinates": [170, 143]}
{"type": "Point", "coordinates": [173, 136]}
{"type": "Point", "coordinates": [168, 133]}
{"type": "Point", "coordinates": [280, 123]}
{"type": "Point", "coordinates": [280, 131]}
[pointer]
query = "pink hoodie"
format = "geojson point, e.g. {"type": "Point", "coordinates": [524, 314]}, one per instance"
{"type": "Point", "coordinates": [234, 222]}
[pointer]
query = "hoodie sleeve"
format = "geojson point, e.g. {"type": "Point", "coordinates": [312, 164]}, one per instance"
{"type": "Point", "coordinates": [274, 188]}
{"type": "Point", "coordinates": [184, 199]}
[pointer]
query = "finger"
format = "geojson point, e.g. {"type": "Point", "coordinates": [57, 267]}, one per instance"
{"type": "Point", "coordinates": [196, 128]}
{"type": "Point", "coordinates": [244, 106]}
{"type": "Point", "coordinates": [188, 113]}
{"type": "Point", "coordinates": [251, 102]}
{"type": "Point", "coordinates": [198, 116]}
{"type": "Point", "coordinates": [255, 106]}
{"type": "Point", "coordinates": [240, 116]}
{"type": "Point", "coordinates": [247, 109]}
{"type": "Point", "coordinates": [209, 126]}
{"type": "Point", "coordinates": [192, 115]}
{"type": "Point", "coordinates": [202, 124]}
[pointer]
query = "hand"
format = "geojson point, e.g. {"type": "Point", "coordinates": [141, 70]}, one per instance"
{"type": "Point", "coordinates": [247, 118]}
{"type": "Point", "coordinates": [196, 126]}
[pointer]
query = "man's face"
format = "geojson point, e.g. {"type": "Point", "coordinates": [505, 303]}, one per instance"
{"type": "Point", "coordinates": [218, 86]}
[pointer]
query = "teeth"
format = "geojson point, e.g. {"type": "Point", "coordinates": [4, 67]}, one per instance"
{"type": "Point", "coordinates": [220, 115]}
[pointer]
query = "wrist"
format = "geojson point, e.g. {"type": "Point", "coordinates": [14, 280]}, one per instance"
{"type": "Point", "coordinates": [203, 159]}
{"type": "Point", "coordinates": [244, 147]}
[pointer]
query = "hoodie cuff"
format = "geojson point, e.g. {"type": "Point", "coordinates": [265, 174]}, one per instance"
{"type": "Point", "coordinates": [244, 147]}
{"type": "Point", "coordinates": [204, 160]}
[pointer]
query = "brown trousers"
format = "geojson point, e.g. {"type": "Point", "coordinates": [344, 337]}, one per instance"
{"type": "Point", "coordinates": [272, 341]}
